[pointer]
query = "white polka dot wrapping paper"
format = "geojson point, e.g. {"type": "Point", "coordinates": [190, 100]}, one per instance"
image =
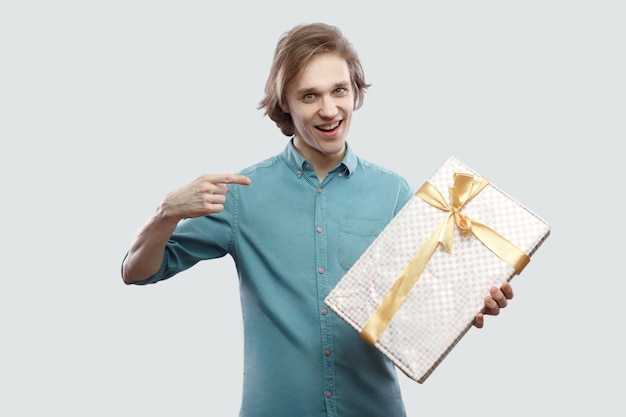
{"type": "Point", "coordinates": [440, 306]}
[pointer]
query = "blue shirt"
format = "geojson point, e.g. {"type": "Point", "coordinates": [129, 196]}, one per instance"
{"type": "Point", "coordinates": [292, 238]}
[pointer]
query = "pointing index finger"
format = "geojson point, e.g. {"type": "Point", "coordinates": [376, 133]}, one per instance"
{"type": "Point", "coordinates": [233, 179]}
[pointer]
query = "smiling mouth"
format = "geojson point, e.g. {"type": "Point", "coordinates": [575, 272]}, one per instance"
{"type": "Point", "coordinates": [330, 127]}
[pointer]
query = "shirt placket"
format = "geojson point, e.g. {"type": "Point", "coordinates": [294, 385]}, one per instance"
{"type": "Point", "coordinates": [321, 252]}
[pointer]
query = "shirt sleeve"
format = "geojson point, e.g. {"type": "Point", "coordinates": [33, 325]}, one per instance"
{"type": "Point", "coordinates": [405, 193]}
{"type": "Point", "coordinates": [195, 240]}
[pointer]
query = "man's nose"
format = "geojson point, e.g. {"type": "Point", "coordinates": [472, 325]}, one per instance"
{"type": "Point", "coordinates": [328, 108]}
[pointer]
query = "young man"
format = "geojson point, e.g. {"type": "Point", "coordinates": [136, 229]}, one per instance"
{"type": "Point", "coordinates": [294, 224]}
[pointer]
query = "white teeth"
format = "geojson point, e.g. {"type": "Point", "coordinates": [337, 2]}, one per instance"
{"type": "Point", "coordinates": [331, 127]}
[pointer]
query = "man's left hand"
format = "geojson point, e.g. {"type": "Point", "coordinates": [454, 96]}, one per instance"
{"type": "Point", "coordinates": [497, 299]}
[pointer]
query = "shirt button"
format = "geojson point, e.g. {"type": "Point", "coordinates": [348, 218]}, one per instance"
{"type": "Point", "coordinates": [329, 394]}
{"type": "Point", "coordinates": [340, 174]}
{"type": "Point", "coordinates": [327, 352]}
{"type": "Point", "coordinates": [319, 191]}
{"type": "Point", "coordinates": [320, 270]}
{"type": "Point", "coordinates": [319, 229]}
{"type": "Point", "coordinates": [299, 172]}
{"type": "Point", "coordinates": [324, 311]}
{"type": "Point", "coordinates": [307, 166]}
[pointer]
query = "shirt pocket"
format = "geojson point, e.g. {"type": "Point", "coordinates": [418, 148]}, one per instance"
{"type": "Point", "coordinates": [355, 235]}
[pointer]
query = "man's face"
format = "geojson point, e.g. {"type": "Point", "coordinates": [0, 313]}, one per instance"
{"type": "Point", "coordinates": [320, 100]}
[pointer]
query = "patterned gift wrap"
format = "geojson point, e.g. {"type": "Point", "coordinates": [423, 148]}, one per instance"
{"type": "Point", "coordinates": [441, 305]}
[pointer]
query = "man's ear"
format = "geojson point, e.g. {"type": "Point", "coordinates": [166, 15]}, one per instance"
{"type": "Point", "coordinates": [284, 107]}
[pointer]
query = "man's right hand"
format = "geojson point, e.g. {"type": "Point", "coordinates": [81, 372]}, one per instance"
{"type": "Point", "coordinates": [203, 196]}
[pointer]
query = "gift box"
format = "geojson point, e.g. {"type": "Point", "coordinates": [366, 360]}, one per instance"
{"type": "Point", "coordinates": [415, 291]}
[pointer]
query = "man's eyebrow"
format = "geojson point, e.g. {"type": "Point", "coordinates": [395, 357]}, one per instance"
{"type": "Point", "coordinates": [303, 90]}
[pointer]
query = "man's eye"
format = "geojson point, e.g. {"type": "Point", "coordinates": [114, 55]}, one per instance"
{"type": "Point", "coordinates": [340, 90]}
{"type": "Point", "coordinates": [309, 96]}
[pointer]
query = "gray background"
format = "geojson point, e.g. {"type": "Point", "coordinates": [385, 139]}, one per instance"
{"type": "Point", "coordinates": [106, 106]}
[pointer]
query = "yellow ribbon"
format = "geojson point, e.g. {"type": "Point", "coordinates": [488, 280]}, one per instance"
{"type": "Point", "coordinates": [465, 188]}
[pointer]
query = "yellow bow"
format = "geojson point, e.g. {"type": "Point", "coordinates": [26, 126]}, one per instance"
{"type": "Point", "coordinates": [465, 188]}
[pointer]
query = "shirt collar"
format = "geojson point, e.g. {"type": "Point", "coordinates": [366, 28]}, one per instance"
{"type": "Point", "coordinates": [296, 161]}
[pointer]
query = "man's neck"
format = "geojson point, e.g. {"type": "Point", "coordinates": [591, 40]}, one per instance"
{"type": "Point", "coordinates": [322, 163]}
